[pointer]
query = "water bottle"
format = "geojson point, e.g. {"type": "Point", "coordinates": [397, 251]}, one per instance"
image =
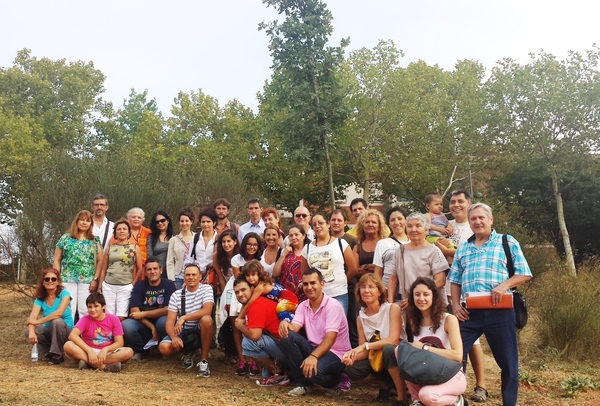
{"type": "Point", "coordinates": [34, 353]}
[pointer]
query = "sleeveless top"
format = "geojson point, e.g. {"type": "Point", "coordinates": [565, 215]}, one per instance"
{"type": "Point", "coordinates": [379, 322]}
{"type": "Point", "coordinates": [365, 257]}
{"type": "Point", "coordinates": [437, 338]}
{"type": "Point", "coordinates": [121, 260]}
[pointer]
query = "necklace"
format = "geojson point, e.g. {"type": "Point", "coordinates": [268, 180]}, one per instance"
{"type": "Point", "coordinates": [328, 242]}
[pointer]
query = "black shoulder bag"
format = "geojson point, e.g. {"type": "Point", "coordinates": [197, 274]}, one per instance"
{"type": "Point", "coordinates": [519, 304]}
{"type": "Point", "coordinates": [190, 336]}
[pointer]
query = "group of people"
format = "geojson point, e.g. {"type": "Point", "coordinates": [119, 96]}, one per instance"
{"type": "Point", "coordinates": [312, 305]}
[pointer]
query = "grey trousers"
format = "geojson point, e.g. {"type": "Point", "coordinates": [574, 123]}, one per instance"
{"type": "Point", "coordinates": [52, 339]}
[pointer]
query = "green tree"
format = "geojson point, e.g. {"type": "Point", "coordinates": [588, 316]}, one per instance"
{"type": "Point", "coordinates": [304, 95]}
{"type": "Point", "coordinates": [548, 109]}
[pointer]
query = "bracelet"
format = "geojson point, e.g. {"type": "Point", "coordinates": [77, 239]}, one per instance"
{"type": "Point", "coordinates": [314, 355]}
{"type": "Point", "coordinates": [367, 346]}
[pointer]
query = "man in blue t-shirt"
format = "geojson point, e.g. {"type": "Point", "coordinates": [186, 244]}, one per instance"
{"type": "Point", "coordinates": [148, 309]}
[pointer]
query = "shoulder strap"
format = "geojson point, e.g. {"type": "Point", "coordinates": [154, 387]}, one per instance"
{"type": "Point", "coordinates": [278, 254]}
{"type": "Point", "coordinates": [341, 249]}
{"type": "Point", "coordinates": [105, 233]}
{"type": "Point", "coordinates": [509, 261]}
{"type": "Point", "coordinates": [182, 301]}
{"type": "Point", "coordinates": [196, 239]}
{"type": "Point", "coordinates": [395, 239]}
{"type": "Point", "coordinates": [234, 227]}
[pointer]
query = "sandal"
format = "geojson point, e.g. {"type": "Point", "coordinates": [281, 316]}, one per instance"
{"type": "Point", "coordinates": [480, 394]}
{"type": "Point", "coordinates": [56, 359]}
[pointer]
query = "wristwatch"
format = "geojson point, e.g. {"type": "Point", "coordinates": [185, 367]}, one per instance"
{"type": "Point", "coordinates": [95, 279]}
{"type": "Point", "coordinates": [426, 347]}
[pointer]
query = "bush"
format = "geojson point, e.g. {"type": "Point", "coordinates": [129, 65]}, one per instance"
{"type": "Point", "coordinates": [568, 309]}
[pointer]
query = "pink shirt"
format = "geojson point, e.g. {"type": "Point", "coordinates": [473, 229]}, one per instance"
{"type": "Point", "coordinates": [99, 334]}
{"type": "Point", "coordinates": [329, 316]}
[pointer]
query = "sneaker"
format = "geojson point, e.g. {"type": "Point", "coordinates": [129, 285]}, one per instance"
{"type": "Point", "coordinates": [116, 367]}
{"type": "Point", "coordinates": [203, 370]}
{"type": "Point", "coordinates": [136, 357]}
{"type": "Point", "coordinates": [335, 391]}
{"type": "Point", "coordinates": [187, 361]}
{"type": "Point", "coordinates": [479, 394]}
{"type": "Point", "coordinates": [345, 383]}
{"type": "Point", "coordinates": [383, 396]}
{"type": "Point", "coordinates": [460, 401]}
{"type": "Point", "coordinates": [416, 403]}
{"type": "Point", "coordinates": [300, 391]}
{"type": "Point", "coordinates": [83, 365]}
{"type": "Point", "coordinates": [274, 380]}
{"type": "Point", "coordinates": [253, 369]}
{"type": "Point", "coordinates": [241, 369]}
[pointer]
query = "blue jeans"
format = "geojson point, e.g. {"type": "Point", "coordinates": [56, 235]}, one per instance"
{"type": "Point", "coordinates": [329, 367]}
{"type": "Point", "coordinates": [264, 347]}
{"type": "Point", "coordinates": [178, 283]}
{"type": "Point", "coordinates": [501, 334]}
{"type": "Point", "coordinates": [343, 299]}
{"type": "Point", "coordinates": [137, 334]}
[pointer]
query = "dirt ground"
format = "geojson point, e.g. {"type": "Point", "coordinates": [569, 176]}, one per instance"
{"type": "Point", "coordinates": [155, 381]}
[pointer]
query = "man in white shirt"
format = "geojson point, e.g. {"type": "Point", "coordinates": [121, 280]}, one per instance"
{"type": "Point", "coordinates": [256, 223]}
{"type": "Point", "coordinates": [103, 229]}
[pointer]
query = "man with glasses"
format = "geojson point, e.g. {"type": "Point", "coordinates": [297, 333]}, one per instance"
{"type": "Point", "coordinates": [102, 227]}
{"type": "Point", "coordinates": [148, 309]}
{"type": "Point", "coordinates": [256, 223]}
{"type": "Point", "coordinates": [302, 219]}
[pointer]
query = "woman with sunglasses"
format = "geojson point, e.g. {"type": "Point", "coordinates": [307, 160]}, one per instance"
{"type": "Point", "coordinates": [53, 303]}
{"type": "Point", "coordinates": [158, 241]}
{"type": "Point", "coordinates": [78, 255]}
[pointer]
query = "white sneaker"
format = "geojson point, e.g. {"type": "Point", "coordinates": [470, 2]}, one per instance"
{"type": "Point", "coordinates": [203, 370]}
{"type": "Point", "coordinates": [300, 391]}
{"type": "Point", "coordinates": [460, 401]}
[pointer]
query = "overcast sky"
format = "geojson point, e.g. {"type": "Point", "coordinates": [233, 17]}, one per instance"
{"type": "Point", "coordinates": [172, 46]}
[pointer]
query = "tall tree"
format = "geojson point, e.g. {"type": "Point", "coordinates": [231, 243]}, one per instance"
{"type": "Point", "coordinates": [305, 91]}
{"type": "Point", "coordinates": [549, 109]}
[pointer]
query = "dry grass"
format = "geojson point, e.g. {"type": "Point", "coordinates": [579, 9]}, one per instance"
{"type": "Point", "coordinates": [155, 381]}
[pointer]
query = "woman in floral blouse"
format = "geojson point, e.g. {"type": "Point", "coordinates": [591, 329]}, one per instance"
{"type": "Point", "coordinates": [78, 256]}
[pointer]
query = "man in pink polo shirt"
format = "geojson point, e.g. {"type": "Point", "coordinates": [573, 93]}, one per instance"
{"type": "Point", "coordinates": [316, 359]}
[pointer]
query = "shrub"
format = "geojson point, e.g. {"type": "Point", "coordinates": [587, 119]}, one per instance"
{"type": "Point", "coordinates": [568, 309]}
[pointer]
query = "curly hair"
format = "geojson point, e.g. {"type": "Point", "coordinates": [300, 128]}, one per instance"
{"type": "Point", "coordinates": [40, 291]}
{"type": "Point", "coordinates": [414, 317]}
{"type": "Point", "coordinates": [255, 267]}
{"type": "Point", "coordinates": [360, 223]}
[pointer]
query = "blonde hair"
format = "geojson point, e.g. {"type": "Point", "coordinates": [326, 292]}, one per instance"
{"type": "Point", "coordinates": [360, 223]}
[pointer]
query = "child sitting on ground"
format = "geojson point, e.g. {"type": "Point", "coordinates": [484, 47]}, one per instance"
{"type": "Point", "coordinates": [97, 338]}
{"type": "Point", "coordinates": [263, 285]}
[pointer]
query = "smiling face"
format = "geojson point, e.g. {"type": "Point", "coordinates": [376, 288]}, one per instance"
{"type": "Point", "coordinates": [228, 243]}
{"type": "Point", "coordinates": [50, 281]}
{"type": "Point", "coordinates": [271, 237]}
{"type": "Point", "coordinates": [136, 219]}
{"type": "Point", "coordinates": [271, 221]}
{"type": "Point", "coordinates": [161, 222]}
{"type": "Point", "coordinates": [423, 297]}
{"type": "Point", "coordinates": [251, 247]}
{"type": "Point", "coordinates": [302, 217]}
{"type": "Point", "coordinates": [312, 286]}
{"type": "Point", "coordinates": [185, 223]}
{"type": "Point", "coordinates": [458, 207]}
{"type": "Point", "coordinates": [295, 237]}
{"type": "Point", "coordinates": [369, 292]}
{"type": "Point", "coordinates": [96, 311]}
{"type": "Point", "coordinates": [398, 222]}
{"type": "Point", "coordinates": [191, 277]}
{"type": "Point", "coordinates": [416, 231]}
{"type": "Point", "coordinates": [481, 222]}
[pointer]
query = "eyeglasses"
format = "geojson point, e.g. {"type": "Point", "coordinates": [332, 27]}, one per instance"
{"type": "Point", "coordinates": [49, 279]}
{"type": "Point", "coordinates": [161, 221]}
{"type": "Point", "coordinates": [319, 223]}
{"type": "Point", "coordinates": [301, 215]}
{"type": "Point", "coordinates": [252, 245]}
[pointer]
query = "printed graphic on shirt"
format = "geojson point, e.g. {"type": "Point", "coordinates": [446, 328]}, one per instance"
{"type": "Point", "coordinates": [323, 262]}
{"type": "Point", "coordinates": [102, 337]}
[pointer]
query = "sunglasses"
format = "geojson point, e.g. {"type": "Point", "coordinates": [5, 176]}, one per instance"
{"type": "Point", "coordinates": [161, 221]}
{"type": "Point", "coordinates": [301, 215]}
{"type": "Point", "coordinates": [49, 279]}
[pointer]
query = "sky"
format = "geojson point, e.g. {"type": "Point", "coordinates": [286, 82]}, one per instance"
{"type": "Point", "coordinates": [176, 46]}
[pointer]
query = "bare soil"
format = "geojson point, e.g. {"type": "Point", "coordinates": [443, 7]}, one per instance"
{"type": "Point", "coordinates": [154, 381]}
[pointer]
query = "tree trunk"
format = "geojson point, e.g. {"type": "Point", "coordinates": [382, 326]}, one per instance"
{"type": "Point", "coordinates": [329, 169]}
{"type": "Point", "coordinates": [366, 189]}
{"type": "Point", "coordinates": [562, 225]}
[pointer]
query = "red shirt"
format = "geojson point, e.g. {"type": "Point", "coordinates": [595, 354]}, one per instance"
{"type": "Point", "coordinates": [262, 314]}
